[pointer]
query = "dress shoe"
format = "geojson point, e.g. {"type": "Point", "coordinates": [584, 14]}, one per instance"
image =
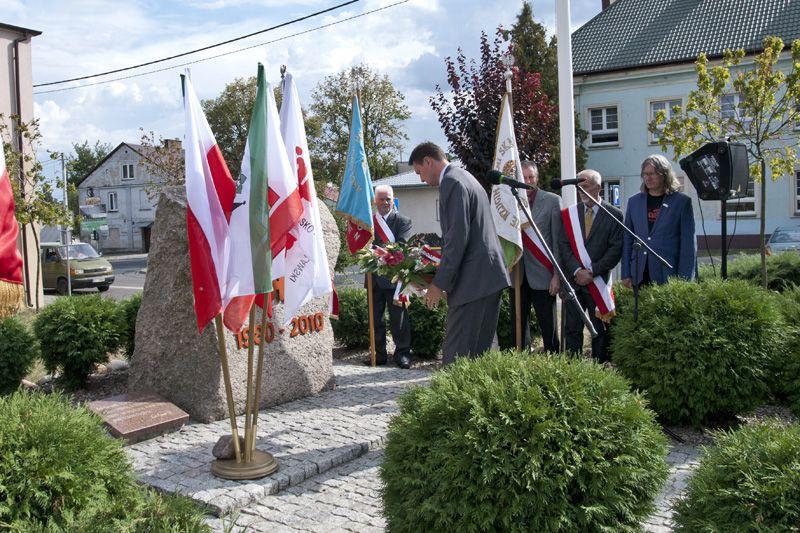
{"type": "Point", "coordinates": [404, 361]}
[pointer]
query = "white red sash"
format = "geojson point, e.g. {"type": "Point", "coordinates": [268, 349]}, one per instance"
{"type": "Point", "coordinates": [386, 235]}
{"type": "Point", "coordinates": [601, 292]}
{"type": "Point", "coordinates": [534, 245]}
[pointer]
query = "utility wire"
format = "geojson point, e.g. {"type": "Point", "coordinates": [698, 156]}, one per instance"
{"type": "Point", "coordinates": [271, 28]}
{"type": "Point", "coordinates": [186, 64]}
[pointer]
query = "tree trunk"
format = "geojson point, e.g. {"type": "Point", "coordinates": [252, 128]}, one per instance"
{"type": "Point", "coordinates": [763, 227]}
{"type": "Point", "coordinates": [38, 263]}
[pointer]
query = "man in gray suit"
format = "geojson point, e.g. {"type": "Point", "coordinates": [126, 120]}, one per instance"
{"type": "Point", "coordinates": [383, 289]}
{"type": "Point", "coordinates": [604, 245]}
{"type": "Point", "coordinates": [471, 272]}
{"type": "Point", "coordinates": [539, 286]}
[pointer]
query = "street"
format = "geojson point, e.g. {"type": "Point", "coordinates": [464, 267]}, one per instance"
{"type": "Point", "coordinates": [129, 274]}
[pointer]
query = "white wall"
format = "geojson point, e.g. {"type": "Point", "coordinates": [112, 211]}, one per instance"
{"type": "Point", "coordinates": [421, 205]}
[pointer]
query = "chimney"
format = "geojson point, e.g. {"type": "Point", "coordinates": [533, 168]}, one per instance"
{"type": "Point", "coordinates": [172, 144]}
{"type": "Point", "coordinates": [607, 4]}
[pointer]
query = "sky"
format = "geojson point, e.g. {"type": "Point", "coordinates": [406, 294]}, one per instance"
{"type": "Point", "coordinates": [407, 42]}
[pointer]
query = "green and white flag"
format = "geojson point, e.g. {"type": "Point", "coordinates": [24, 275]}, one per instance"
{"type": "Point", "coordinates": [250, 259]}
{"type": "Point", "coordinates": [505, 213]}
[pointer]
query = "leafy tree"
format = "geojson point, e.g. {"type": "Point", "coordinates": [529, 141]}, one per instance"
{"type": "Point", "coordinates": [534, 52]}
{"type": "Point", "coordinates": [85, 159]}
{"type": "Point", "coordinates": [164, 161]}
{"type": "Point", "coordinates": [763, 120]}
{"type": "Point", "coordinates": [33, 193]}
{"type": "Point", "coordinates": [383, 111]}
{"type": "Point", "coordinates": [469, 116]}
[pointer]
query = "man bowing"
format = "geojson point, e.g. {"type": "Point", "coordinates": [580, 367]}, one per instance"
{"type": "Point", "coordinates": [471, 272]}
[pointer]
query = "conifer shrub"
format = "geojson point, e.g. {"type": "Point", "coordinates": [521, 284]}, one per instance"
{"type": "Point", "coordinates": [76, 333]}
{"type": "Point", "coordinates": [748, 481]}
{"type": "Point", "coordinates": [128, 310]}
{"type": "Point", "coordinates": [785, 378]}
{"type": "Point", "coordinates": [510, 441]}
{"type": "Point", "coordinates": [352, 327]}
{"type": "Point", "coordinates": [18, 351]}
{"type": "Point", "coordinates": [783, 270]}
{"type": "Point", "coordinates": [701, 351]}
{"type": "Point", "coordinates": [427, 327]}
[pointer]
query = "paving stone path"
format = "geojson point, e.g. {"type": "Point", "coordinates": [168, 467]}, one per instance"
{"type": "Point", "coordinates": [329, 448]}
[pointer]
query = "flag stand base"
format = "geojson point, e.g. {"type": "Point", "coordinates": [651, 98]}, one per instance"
{"type": "Point", "coordinates": [262, 464]}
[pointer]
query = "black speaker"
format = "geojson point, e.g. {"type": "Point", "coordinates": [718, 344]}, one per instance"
{"type": "Point", "coordinates": [718, 170]}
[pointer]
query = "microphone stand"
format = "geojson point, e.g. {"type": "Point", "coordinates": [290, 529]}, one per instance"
{"type": "Point", "coordinates": [570, 292]}
{"type": "Point", "coordinates": [638, 244]}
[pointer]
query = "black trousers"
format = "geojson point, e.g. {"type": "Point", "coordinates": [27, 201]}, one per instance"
{"type": "Point", "coordinates": [573, 327]}
{"type": "Point", "coordinates": [398, 320]}
{"type": "Point", "coordinates": [544, 306]}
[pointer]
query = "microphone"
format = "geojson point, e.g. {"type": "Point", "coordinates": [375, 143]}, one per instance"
{"type": "Point", "coordinates": [495, 177]}
{"type": "Point", "coordinates": [557, 184]}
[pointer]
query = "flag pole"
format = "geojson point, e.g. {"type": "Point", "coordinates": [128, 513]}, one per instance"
{"type": "Point", "coordinates": [226, 376]}
{"type": "Point", "coordinates": [259, 371]}
{"type": "Point", "coordinates": [248, 425]}
{"type": "Point", "coordinates": [371, 320]}
{"type": "Point", "coordinates": [518, 304]}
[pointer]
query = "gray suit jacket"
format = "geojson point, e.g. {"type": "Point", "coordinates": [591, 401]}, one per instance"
{"type": "Point", "coordinates": [401, 228]}
{"type": "Point", "coordinates": [604, 243]}
{"type": "Point", "coordinates": [546, 213]}
{"type": "Point", "coordinates": [472, 264]}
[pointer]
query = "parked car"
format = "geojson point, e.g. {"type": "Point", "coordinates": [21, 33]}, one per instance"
{"type": "Point", "coordinates": [87, 268]}
{"type": "Point", "coordinates": [784, 239]}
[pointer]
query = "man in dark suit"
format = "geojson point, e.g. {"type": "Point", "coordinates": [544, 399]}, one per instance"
{"type": "Point", "coordinates": [472, 271]}
{"type": "Point", "coordinates": [603, 239]}
{"type": "Point", "coordinates": [383, 289]}
{"type": "Point", "coordinates": [539, 285]}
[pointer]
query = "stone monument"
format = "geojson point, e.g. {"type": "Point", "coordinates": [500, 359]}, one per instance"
{"type": "Point", "coordinates": [173, 359]}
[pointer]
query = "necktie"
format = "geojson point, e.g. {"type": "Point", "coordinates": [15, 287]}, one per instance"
{"type": "Point", "coordinates": [588, 219]}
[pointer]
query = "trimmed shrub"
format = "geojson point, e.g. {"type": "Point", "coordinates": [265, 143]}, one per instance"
{"type": "Point", "coordinates": [785, 380]}
{"type": "Point", "coordinates": [427, 327]}
{"type": "Point", "coordinates": [167, 513]}
{"type": "Point", "coordinates": [352, 326]}
{"type": "Point", "coordinates": [76, 333]}
{"type": "Point", "coordinates": [701, 351]}
{"type": "Point", "coordinates": [505, 327]}
{"type": "Point", "coordinates": [512, 441]}
{"type": "Point", "coordinates": [128, 310]}
{"type": "Point", "coordinates": [58, 463]}
{"type": "Point", "coordinates": [748, 481]}
{"type": "Point", "coordinates": [783, 270]}
{"type": "Point", "coordinates": [18, 351]}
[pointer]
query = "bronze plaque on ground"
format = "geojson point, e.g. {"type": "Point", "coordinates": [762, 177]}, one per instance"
{"type": "Point", "coordinates": [138, 416]}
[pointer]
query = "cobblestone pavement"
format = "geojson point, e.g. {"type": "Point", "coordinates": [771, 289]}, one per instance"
{"type": "Point", "coordinates": [307, 437]}
{"type": "Point", "coordinates": [347, 498]}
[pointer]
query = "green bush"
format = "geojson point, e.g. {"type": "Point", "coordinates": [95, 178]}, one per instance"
{"type": "Point", "coordinates": [128, 310]}
{"type": "Point", "coordinates": [352, 326]}
{"type": "Point", "coordinates": [427, 327]}
{"type": "Point", "coordinates": [700, 350]}
{"type": "Point", "coordinates": [509, 442]}
{"type": "Point", "coordinates": [18, 351]}
{"type": "Point", "coordinates": [785, 380]}
{"type": "Point", "coordinates": [61, 472]}
{"type": "Point", "coordinates": [76, 333]}
{"type": "Point", "coordinates": [783, 270]}
{"type": "Point", "coordinates": [748, 481]}
{"type": "Point", "coordinates": [505, 327]}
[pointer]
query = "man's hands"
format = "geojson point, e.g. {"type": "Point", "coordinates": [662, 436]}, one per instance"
{"type": "Point", "coordinates": [432, 296]}
{"type": "Point", "coordinates": [555, 285]}
{"type": "Point", "coordinates": [583, 277]}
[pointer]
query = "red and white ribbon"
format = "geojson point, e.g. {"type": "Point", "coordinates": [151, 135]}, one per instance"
{"type": "Point", "coordinates": [431, 255]}
{"type": "Point", "coordinates": [601, 291]}
{"type": "Point", "coordinates": [534, 245]}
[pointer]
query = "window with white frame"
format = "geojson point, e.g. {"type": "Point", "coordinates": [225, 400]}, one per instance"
{"type": "Point", "coordinates": [662, 105]}
{"type": "Point", "coordinates": [797, 192]}
{"type": "Point", "coordinates": [731, 107]}
{"type": "Point", "coordinates": [603, 126]}
{"type": "Point", "coordinates": [113, 205]}
{"type": "Point", "coordinates": [746, 205]}
{"type": "Point", "coordinates": [127, 172]}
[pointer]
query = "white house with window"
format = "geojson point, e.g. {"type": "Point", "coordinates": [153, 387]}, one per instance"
{"type": "Point", "coordinates": [117, 212]}
{"type": "Point", "coordinates": [636, 58]}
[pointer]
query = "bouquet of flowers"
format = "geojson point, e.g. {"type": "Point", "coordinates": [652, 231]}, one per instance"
{"type": "Point", "coordinates": [411, 267]}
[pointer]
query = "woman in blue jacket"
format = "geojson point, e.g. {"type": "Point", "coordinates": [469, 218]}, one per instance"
{"type": "Point", "coordinates": [664, 219]}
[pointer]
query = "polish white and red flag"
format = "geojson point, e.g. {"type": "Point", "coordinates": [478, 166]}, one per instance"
{"type": "Point", "coordinates": [210, 191]}
{"type": "Point", "coordinates": [306, 273]}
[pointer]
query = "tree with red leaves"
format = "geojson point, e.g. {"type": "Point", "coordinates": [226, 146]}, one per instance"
{"type": "Point", "coordinates": [468, 112]}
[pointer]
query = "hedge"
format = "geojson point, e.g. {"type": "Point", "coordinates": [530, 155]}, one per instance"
{"type": "Point", "coordinates": [783, 270]}
{"type": "Point", "coordinates": [18, 351]}
{"type": "Point", "coordinates": [352, 326]}
{"type": "Point", "coordinates": [427, 327]}
{"type": "Point", "coordinates": [128, 310]}
{"type": "Point", "coordinates": [785, 376]}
